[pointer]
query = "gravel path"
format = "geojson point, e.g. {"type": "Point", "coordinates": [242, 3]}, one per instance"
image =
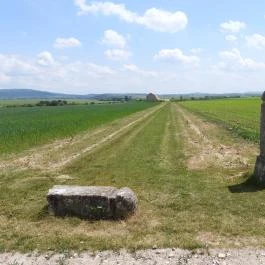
{"type": "Point", "coordinates": [145, 257]}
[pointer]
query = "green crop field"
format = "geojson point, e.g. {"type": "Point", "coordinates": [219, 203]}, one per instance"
{"type": "Point", "coordinates": [239, 115]}
{"type": "Point", "coordinates": [22, 102]}
{"type": "Point", "coordinates": [24, 127]}
{"type": "Point", "coordinates": [16, 102]}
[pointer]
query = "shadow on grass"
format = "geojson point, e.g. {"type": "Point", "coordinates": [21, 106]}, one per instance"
{"type": "Point", "coordinates": [43, 212]}
{"type": "Point", "coordinates": [249, 185]}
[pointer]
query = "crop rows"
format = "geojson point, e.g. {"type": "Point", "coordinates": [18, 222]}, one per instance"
{"type": "Point", "coordinates": [22, 127]}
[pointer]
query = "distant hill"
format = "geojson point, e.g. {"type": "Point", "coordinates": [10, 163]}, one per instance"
{"type": "Point", "coordinates": [28, 94]}
{"type": "Point", "coordinates": [37, 94]}
{"type": "Point", "coordinates": [198, 95]}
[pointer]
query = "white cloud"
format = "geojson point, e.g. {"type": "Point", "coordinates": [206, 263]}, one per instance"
{"type": "Point", "coordinates": [131, 67]}
{"type": "Point", "coordinates": [117, 54]}
{"type": "Point", "coordinates": [18, 71]}
{"type": "Point", "coordinates": [256, 40]}
{"type": "Point", "coordinates": [113, 38]}
{"type": "Point", "coordinates": [66, 43]}
{"type": "Point", "coordinates": [162, 20]}
{"type": "Point", "coordinates": [176, 55]}
{"type": "Point", "coordinates": [45, 59]}
{"type": "Point", "coordinates": [153, 18]}
{"type": "Point", "coordinates": [233, 60]}
{"type": "Point", "coordinates": [231, 38]}
{"type": "Point", "coordinates": [232, 26]}
{"type": "Point", "coordinates": [135, 69]}
{"type": "Point", "coordinates": [88, 77]}
{"type": "Point", "coordinates": [15, 65]}
{"type": "Point", "coordinates": [99, 69]}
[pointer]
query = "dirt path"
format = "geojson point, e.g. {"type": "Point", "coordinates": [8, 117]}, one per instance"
{"type": "Point", "coordinates": [143, 257]}
{"type": "Point", "coordinates": [54, 156]}
{"type": "Point", "coordinates": [205, 149]}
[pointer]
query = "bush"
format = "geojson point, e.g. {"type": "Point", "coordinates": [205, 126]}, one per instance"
{"type": "Point", "coordinates": [52, 103]}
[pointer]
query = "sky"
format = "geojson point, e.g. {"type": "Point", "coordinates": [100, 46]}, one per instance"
{"type": "Point", "coordinates": [128, 46]}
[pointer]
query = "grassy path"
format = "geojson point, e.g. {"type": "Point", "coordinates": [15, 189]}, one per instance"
{"type": "Point", "coordinates": [181, 203]}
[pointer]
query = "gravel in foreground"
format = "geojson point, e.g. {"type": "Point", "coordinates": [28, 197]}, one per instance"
{"type": "Point", "coordinates": [146, 257]}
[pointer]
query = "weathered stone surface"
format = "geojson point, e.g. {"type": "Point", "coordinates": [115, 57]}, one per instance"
{"type": "Point", "coordinates": [259, 172]}
{"type": "Point", "coordinates": [262, 130]}
{"type": "Point", "coordinates": [91, 202]}
{"type": "Point", "coordinates": [125, 201]}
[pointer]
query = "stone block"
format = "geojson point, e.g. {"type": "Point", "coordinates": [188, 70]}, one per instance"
{"type": "Point", "coordinates": [259, 171]}
{"type": "Point", "coordinates": [92, 202]}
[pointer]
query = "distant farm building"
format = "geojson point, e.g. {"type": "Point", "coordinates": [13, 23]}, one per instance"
{"type": "Point", "coordinates": [152, 97]}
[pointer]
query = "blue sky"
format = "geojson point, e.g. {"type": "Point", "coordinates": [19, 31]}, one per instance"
{"type": "Point", "coordinates": [169, 46]}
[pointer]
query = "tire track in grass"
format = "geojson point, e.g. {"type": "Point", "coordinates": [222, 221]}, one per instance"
{"type": "Point", "coordinates": [171, 137]}
{"type": "Point", "coordinates": [54, 156]}
{"type": "Point", "coordinates": [113, 136]}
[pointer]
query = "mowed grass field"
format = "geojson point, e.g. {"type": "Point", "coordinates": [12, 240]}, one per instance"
{"type": "Point", "coordinates": [175, 162]}
{"type": "Point", "coordinates": [239, 115]}
{"type": "Point", "coordinates": [25, 127]}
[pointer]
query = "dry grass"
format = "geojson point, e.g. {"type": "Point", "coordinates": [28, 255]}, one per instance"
{"type": "Point", "coordinates": [206, 149]}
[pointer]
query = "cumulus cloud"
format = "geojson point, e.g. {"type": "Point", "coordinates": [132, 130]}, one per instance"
{"type": "Point", "coordinates": [176, 55]}
{"type": "Point", "coordinates": [113, 38]}
{"type": "Point", "coordinates": [66, 43]}
{"type": "Point", "coordinates": [153, 18]}
{"type": "Point", "coordinates": [233, 60]}
{"type": "Point", "coordinates": [45, 59]}
{"type": "Point", "coordinates": [15, 65]}
{"type": "Point", "coordinates": [256, 40]}
{"type": "Point", "coordinates": [231, 38]}
{"type": "Point", "coordinates": [232, 26]}
{"type": "Point", "coordinates": [117, 54]}
{"type": "Point", "coordinates": [18, 71]}
{"type": "Point", "coordinates": [87, 77]}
